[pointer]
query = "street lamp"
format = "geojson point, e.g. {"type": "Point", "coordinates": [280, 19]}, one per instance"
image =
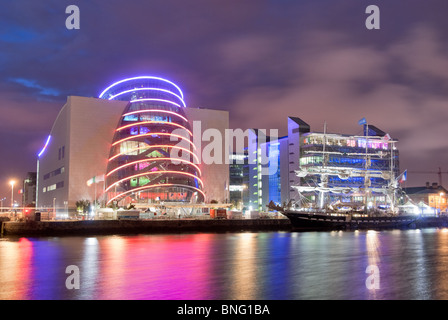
{"type": "Point", "coordinates": [12, 182]}
{"type": "Point", "coordinates": [1, 201]}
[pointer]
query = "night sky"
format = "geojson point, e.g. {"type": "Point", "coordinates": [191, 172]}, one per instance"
{"type": "Point", "coordinates": [260, 60]}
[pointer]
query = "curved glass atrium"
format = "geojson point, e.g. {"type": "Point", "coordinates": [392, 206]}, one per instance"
{"type": "Point", "coordinates": [152, 153]}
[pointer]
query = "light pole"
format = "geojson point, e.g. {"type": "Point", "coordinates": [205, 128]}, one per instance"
{"type": "Point", "coordinates": [440, 201]}
{"type": "Point", "coordinates": [12, 182]}
{"type": "Point", "coordinates": [1, 201]}
{"type": "Point", "coordinates": [242, 197]}
{"type": "Point", "coordinates": [66, 208]}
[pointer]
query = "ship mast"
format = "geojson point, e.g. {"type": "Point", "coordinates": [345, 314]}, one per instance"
{"type": "Point", "coordinates": [366, 176]}
{"type": "Point", "coordinates": [324, 177]}
{"type": "Point", "coordinates": [392, 177]}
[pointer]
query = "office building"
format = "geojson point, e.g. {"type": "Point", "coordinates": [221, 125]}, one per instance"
{"type": "Point", "coordinates": [431, 196]}
{"type": "Point", "coordinates": [29, 190]}
{"type": "Point", "coordinates": [132, 144]}
{"type": "Point", "coordinates": [305, 165]}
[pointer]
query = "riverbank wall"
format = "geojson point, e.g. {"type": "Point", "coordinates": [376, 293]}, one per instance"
{"type": "Point", "coordinates": [99, 227]}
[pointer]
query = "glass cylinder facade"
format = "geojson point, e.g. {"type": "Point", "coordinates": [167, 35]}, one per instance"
{"type": "Point", "coordinates": [152, 153]}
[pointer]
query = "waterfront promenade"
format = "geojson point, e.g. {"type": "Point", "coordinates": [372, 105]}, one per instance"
{"type": "Point", "coordinates": [92, 227]}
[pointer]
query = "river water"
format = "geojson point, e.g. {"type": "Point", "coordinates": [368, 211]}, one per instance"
{"type": "Point", "coordinates": [411, 264]}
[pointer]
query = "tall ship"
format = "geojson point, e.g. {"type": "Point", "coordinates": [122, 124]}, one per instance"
{"type": "Point", "coordinates": [350, 182]}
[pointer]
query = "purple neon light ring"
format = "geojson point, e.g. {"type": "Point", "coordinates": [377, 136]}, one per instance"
{"type": "Point", "coordinates": [102, 94]}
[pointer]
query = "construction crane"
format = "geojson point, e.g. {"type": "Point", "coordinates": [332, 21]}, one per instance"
{"type": "Point", "coordinates": [439, 173]}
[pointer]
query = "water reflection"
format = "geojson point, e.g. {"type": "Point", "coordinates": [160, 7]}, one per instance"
{"type": "Point", "coordinates": [441, 256]}
{"type": "Point", "coordinates": [419, 276]}
{"type": "Point", "coordinates": [244, 269]}
{"type": "Point", "coordinates": [113, 267]}
{"type": "Point", "coordinates": [373, 281]}
{"type": "Point", "coordinates": [266, 265]}
{"type": "Point", "coordinates": [15, 262]}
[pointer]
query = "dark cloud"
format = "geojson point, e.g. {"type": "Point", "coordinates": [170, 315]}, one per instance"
{"type": "Point", "coordinates": [261, 60]}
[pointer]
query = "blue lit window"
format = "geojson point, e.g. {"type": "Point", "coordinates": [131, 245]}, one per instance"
{"type": "Point", "coordinates": [131, 117]}
{"type": "Point", "coordinates": [144, 130]}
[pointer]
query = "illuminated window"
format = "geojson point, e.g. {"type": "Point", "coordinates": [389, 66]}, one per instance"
{"type": "Point", "coordinates": [54, 173]}
{"type": "Point", "coordinates": [155, 154]}
{"type": "Point", "coordinates": [131, 117]}
{"type": "Point", "coordinates": [351, 143]}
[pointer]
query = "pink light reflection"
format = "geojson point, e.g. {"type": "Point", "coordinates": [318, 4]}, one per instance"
{"type": "Point", "coordinates": [16, 269]}
{"type": "Point", "coordinates": [157, 267]}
